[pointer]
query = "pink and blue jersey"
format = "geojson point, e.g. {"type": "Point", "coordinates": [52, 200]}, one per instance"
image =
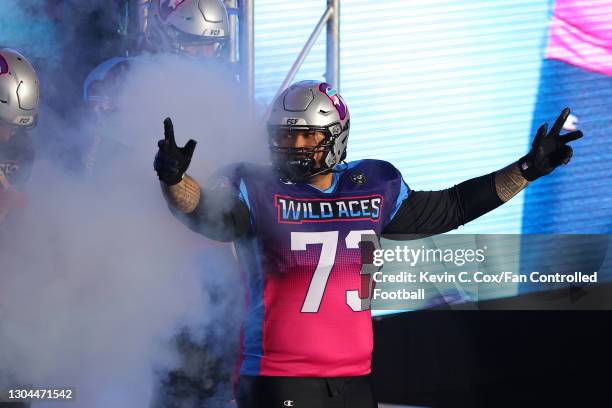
{"type": "Point", "coordinates": [581, 34]}
{"type": "Point", "coordinates": [308, 298]}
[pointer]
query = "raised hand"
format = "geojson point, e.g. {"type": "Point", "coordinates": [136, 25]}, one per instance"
{"type": "Point", "coordinates": [171, 161]}
{"type": "Point", "coordinates": [548, 150]}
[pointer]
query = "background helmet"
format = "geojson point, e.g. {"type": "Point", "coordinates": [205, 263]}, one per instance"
{"type": "Point", "coordinates": [19, 89]}
{"type": "Point", "coordinates": [103, 84]}
{"type": "Point", "coordinates": [189, 26]}
{"type": "Point", "coordinates": [308, 106]}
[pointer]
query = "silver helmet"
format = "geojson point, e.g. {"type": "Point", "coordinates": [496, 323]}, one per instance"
{"type": "Point", "coordinates": [103, 84]}
{"type": "Point", "coordinates": [19, 89]}
{"type": "Point", "coordinates": [308, 106]}
{"type": "Point", "coordinates": [196, 27]}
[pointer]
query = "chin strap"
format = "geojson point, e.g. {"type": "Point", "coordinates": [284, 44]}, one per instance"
{"type": "Point", "coordinates": [322, 171]}
{"type": "Point", "coordinates": [307, 178]}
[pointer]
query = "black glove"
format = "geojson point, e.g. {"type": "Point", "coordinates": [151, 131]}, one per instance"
{"type": "Point", "coordinates": [548, 151]}
{"type": "Point", "coordinates": [171, 161]}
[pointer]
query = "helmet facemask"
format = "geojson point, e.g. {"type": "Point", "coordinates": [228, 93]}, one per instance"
{"type": "Point", "coordinates": [195, 45]}
{"type": "Point", "coordinates": [193, 28]}
{"type": "Point", "coordinates": [298, 164]}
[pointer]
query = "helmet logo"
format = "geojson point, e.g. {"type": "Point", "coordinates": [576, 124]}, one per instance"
{"type": "Point", "coordinates": [4, 68]}
{"type": "Point", "coordinates": [333, 96]}
{"type": "Point", "coordinates": [292, 121]}
{"type": "Point", "coordinates": [168, 6]}
{"type": "Point", "coordinates": [23, 120]}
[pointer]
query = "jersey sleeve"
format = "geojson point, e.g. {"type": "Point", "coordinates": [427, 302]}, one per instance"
{"type": "Point", "coordinates": [434, 212]}
{"type": "Point", "coordinates": [402, 194]}
{"type": "Point", "coordinates": [223, 213]}
{"type": "Point", "coordinates": [399, 190]}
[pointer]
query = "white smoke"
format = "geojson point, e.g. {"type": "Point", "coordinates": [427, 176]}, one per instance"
{"type": "Point", "coordinates": [97, 276]}
{"type": "Point", "coordinates": [26, 27]}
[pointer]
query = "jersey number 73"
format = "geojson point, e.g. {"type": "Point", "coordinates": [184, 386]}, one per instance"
{"type": "Point", "coordinates": [329, 244]}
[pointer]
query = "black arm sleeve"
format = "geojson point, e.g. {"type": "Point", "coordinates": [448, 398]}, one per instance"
{"type": "Point", "coordinates": [220, 215]}
{"type": "Point", "coordinates": [434, 212]}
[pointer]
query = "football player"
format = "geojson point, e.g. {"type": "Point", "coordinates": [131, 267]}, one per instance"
{"type": "Point", "coordinates": [19, 98]}
{"type": "Point", "coordinates": [192, 28]}
{"type": "Point", "coordinates": [100, 92]}
{"type": "Point", "coordinates": [198, 28]}
{"type": "Point", "coordinates": [298, 224]}
{"type": "Point", "coordinates": [19, 94]}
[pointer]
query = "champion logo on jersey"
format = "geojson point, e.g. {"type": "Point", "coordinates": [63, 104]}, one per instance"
{"type": "Point", "coordinates": [292, 210]}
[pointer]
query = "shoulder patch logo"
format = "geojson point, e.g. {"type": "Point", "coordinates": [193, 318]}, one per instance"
{"type": "Point", "coordinates": [358, 178]}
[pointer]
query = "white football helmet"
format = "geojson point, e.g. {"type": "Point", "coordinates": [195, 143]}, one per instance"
{"type": "Point", "coordinates": [308, 106]}
{"type": "Point", "coordinates": [19, 89]}
{"type": "Point", "coordinates": [199, 28]}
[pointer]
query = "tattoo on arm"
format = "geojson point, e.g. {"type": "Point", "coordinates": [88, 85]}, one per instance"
{"type": "Point", "coordinates": [509, 182]}
{"type": "Point", "coordinates": [183, 196]}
